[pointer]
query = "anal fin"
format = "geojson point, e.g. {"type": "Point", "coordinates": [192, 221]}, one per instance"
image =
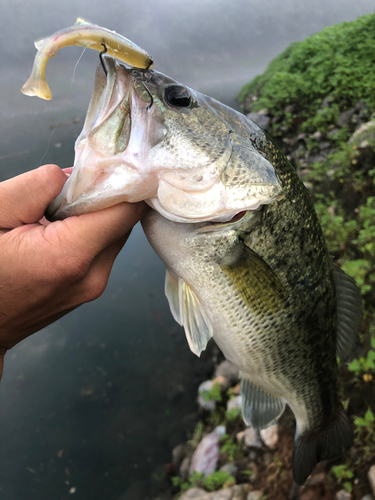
{"type": "Point", "coordinates": [311, 447]}
{"type": "Point", "coordinates": [260, 409]}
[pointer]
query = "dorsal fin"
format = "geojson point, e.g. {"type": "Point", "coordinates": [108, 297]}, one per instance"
{"type": "Point", "coordinates": [349, 312]}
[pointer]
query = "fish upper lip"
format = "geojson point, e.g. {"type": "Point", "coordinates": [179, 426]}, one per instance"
{"type": "Point", "coordinates": [100, 109]}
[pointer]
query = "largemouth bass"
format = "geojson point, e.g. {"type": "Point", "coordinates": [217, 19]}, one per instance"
{"type": "Point", "coordinates": [246, 259]}
{"type": "Point", "coordinates": [84, 34]}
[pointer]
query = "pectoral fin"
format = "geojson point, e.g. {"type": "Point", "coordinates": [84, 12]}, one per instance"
{"type": "Point", "coordinates": [349, 312]}
{"type": "Point", "coordinates": [188, 311]}
{"type": "Point", "coordinates": [259, 408]}
{"type": "Point", "coordinates": [171, 292]}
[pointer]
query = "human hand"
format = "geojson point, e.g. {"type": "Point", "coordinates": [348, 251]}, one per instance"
{"type": "Point", "coordinates": [49, 269]}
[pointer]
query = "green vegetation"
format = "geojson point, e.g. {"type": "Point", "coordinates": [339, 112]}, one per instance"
{"type": "Point", "coordinates": [344, 475]}
{"type": "Point", "coordinates": [230, 448]}
{"type": "Point", "coordinates": [213, 394]}
{"type": "Point", "coordinates": [365, 365]}
{"type": "Point", "coordinates": [215, 481]}
{"type": "Point", "coordinates": [338, 62]}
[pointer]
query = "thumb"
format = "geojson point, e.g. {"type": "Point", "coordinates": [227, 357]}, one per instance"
{"type": "Point", "coordinates": [25, 198]}
{"type": "Point", "coordinates": [88, 234]}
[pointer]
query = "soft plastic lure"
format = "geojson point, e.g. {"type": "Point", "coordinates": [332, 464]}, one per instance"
{"type": "Point", "coordinates": [85, 34]}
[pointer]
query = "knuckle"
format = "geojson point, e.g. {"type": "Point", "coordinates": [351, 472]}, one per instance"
{"type": "Point", "coordinates": [52, 177]}
{"type": "Point", "coordinates": [71, 270]}
{"type": "Point", "coordinates": [94, 286]}
{"type": "Point", "coordinates": [50, 172]}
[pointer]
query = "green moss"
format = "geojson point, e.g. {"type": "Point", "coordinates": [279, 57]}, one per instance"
{"type": "Point", "coordinates": [338, 61]}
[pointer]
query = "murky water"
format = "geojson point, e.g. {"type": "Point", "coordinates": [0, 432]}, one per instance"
{"type": "Point", "coordinates": [91, 406]}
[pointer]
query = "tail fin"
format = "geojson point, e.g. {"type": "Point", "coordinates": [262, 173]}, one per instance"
{"type": "Point", "coordinates": [309, 449]}
{"type": "Point", "coordinates": [37, 85]}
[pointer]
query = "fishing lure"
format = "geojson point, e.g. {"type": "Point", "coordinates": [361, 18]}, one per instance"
{"type": "Point", "coordinates": [85, 34]}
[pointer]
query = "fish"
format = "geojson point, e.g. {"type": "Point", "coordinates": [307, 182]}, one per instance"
{"type": "Point", "coordinates": [85, 34]}
{"type": "Point", "coordinates": [246, 260]}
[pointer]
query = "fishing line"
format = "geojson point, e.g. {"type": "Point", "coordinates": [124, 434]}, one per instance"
{"type": "Point", "coordinates": [62, 106]}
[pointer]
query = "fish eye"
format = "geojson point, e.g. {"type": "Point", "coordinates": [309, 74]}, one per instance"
{"type": "Point", "coordinates": [176, 95]}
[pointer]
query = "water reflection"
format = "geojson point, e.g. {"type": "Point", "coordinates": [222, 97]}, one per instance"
{"type": "Point", "coordinates": [93, 404]}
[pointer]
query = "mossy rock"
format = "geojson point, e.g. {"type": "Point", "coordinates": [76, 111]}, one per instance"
{"type": "Point", "coordinates": [364, 136]}
{"type": "Point", "coordinates": [338, 62]}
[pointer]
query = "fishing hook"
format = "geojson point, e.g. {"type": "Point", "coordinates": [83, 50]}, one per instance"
{"type": "Point", "coordinates": [101, 58]}
{"type": "Point", "coordinates": [149, 93]}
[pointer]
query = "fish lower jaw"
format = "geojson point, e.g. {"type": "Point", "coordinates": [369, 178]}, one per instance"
{"type": "Point", "coordinates": [213, 221]}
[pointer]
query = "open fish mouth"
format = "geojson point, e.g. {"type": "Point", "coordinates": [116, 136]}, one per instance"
{"type": "Point", "coordinates": [148, 138]}
{"type": "Point", "coordinates": [111, 148]}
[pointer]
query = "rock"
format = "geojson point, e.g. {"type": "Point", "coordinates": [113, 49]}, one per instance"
{"type": "Point", "coordinates": [343, 495]}
{"type": "Point", "coordinates": [324, 147]}
{"type": "Point", "coordinates": [317, 135]}
{"type": "Point", "coordinates": [236, 492]}
{"type": "Point", "coordinates": [239, 436]}
{"type": "Point", "coordinates": [251, 438]}
{"type": "Point", "coordinates": [344, 117]}
{"type": "Point", "coordinates": [270, 436]}
{"type": "Point", "coordinates": [366, 132]}
{"type": "Point", "coordinates": [367, 497]}
{"type": "Point", "coordinates": [371, 478]}
{"type": "Point", "coordinates": [262, 120]}
{"type": "Point", "coordinates": [315, 158]}
{"type": "Point", "coordinates": [196, 494]}
{"type": "Point", "coordinates": [225, 494]}
{"type": "Point", "coordinates": [267, 459]}
{"type": "Point", "coordinates": [233, 403]}
{"type": "Point", "coordinates": [254, 472]}
{"type": "Point", "coordinates": [289, 109]}
{"type": "Point", "coordinates": [206, 455]}
{"type": "Point", "coordinates": [326, 103]}
{"type": "Point", "coordinates": [239, 491]}
{"type": "Point", "coordinates": [179, 452]}
{"type": "Point", "coordinates": [363, 110]}
{"type": "Point", "coordinates": [231, 468]}
{"type": "Point", "coordinates": [236, 389]}
{"type": "Point", "coordinates": [229, 371]}
{"type": "Point", "coordinates": [316, 479]}
{"type": "Point", "coordinates": [203, 403]}
{"type": "Point", "coordinates": [332, 133]}
{"type": "Point", "coordinates": [184, 468]}
{"type": "Point", "coordinates": [222, 381]}
{"type": "Point", "coordinates": [255, 495]}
